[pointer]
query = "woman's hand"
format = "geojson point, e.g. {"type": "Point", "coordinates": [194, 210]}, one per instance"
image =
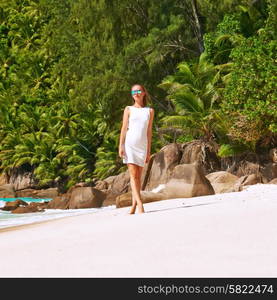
{"type": "Point", "coordinates": [147, 157]}
{"type": "Point", "coordinates": [121, 152]}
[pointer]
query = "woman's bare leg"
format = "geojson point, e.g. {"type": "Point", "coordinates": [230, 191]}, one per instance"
{"type": "Point", "coordinates": [134, 206]}
{"type": "Point", "coordinates": [132, 172]}
{"type": "Point", "coordinates": [140, 207]}
{"type": "Point", "coordinates": [135, 181]}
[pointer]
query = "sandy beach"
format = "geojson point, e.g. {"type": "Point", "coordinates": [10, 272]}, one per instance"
{"type": "Point", "coordinates": [223, 235]}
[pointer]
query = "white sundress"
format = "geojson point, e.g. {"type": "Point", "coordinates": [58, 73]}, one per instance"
{"type": "Point", "coordinates": [136, 136]}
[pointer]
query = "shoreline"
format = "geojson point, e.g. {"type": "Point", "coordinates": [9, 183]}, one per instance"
{"type": "Point", "coordinates": [27, 225]}
{"type": "Point", "coordinates": [49, 218]}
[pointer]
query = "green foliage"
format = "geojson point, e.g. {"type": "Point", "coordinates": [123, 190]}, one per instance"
{"type": "Point", "coordinates": [66, 67]}
{"type": "Point", "coordinates": [219, 44]}
{"type": "Point", "coordinates": [229, 150]}
{"type": "Point", "coordinates": [213, 11]}
{"type": "Point", "coordinates": [244, 22]}
{"type": "Point", "coordinates": [251, 91]}
{"type": "Point", "coordinates": [194, 92]}
{"type": "Point", "coordinates": [108, 162]}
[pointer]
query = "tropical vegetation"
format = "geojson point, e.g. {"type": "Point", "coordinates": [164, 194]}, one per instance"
{"type": "Point", "coordinates": [66, 68]}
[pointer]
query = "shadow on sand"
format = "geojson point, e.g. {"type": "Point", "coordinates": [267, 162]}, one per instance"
{"type": "Point", "coordinates": [183, 206]}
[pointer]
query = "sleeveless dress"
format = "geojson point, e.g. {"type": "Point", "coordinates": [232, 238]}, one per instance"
{"type": "Point", "coordinates": [136, 136]}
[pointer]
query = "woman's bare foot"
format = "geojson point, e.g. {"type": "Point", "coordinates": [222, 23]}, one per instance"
{"type": "Point", "coordinates": [132, 210]}
{"type": "Point", "coordinates": [141, 209]}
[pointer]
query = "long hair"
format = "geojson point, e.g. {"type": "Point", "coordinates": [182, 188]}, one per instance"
{"type": "Point", "coordinates": [146, 97]}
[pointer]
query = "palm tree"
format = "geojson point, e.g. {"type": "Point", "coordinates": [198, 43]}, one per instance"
{"type": "Point", "coordinates": [108, 162]}
{"type": "Point", "coordinates": [195, 92]}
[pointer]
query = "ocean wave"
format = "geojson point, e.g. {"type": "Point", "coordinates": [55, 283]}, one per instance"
{"type": "Point", "coordinates": [8, 219]}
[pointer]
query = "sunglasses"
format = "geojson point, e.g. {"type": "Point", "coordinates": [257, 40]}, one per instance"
{"type": "Point", "coordinates": [136, 92]}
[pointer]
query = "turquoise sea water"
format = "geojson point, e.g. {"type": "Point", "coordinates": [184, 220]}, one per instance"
{"type": "Point", "coordinates": [8, 219]}
{"type": "Point", "coordinates": [27, 199]}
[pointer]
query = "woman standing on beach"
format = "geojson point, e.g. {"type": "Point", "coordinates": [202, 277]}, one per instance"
{"type": "Point", "coordinates": [135, 141]}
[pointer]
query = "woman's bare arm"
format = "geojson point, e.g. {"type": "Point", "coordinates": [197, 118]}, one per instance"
{"type": "Point", "coordinates": [123, 130]}
{"type": "Point", "coordinates": [149, 131]}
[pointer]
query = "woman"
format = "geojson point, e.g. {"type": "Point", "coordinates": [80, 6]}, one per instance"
{"type": "Point", "coordinates": [135, 141]}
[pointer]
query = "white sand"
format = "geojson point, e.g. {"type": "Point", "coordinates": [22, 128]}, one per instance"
{"type": "Point", "coordinates": [224, 235]}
